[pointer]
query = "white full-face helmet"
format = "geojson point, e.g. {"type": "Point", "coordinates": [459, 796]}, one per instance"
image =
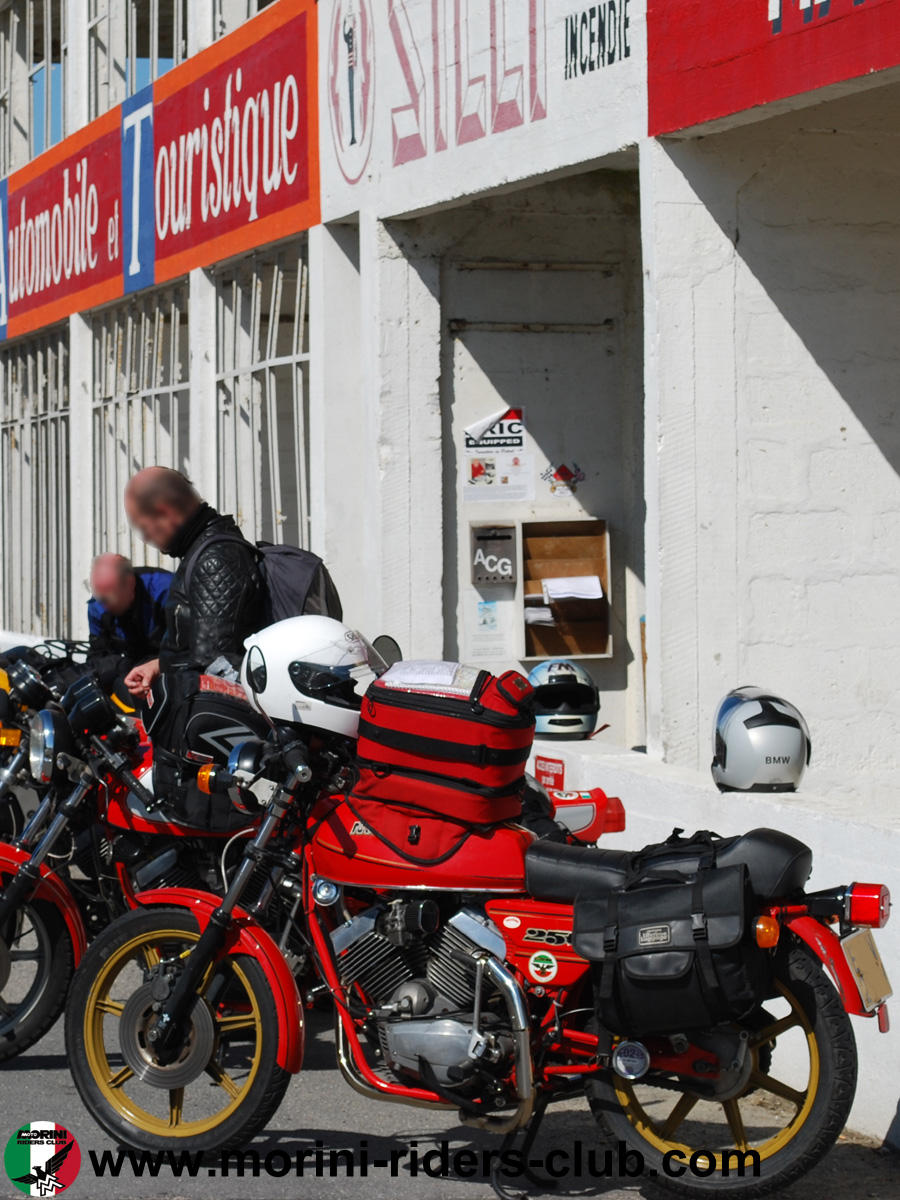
{"type": "Point", "coordinates": [760, 743]}
{"type": "Point", "coordinates": [310, 671]}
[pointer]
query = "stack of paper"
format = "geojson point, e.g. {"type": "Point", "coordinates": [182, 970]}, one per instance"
{"type": "Point", "coordinates": [572, 587]}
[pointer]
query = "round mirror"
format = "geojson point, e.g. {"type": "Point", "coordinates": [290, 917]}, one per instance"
{"type": "Point", "coordinates": [388, 648]}
{"type": "Point", "coordinates": [257, 676]}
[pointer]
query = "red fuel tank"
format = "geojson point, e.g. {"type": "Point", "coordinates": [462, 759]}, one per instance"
{"type": "Point", "coordinates": [345, 850]}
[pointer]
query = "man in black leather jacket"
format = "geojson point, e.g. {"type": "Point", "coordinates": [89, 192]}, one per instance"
{"type": "Point", "coordinates": [216, 595]}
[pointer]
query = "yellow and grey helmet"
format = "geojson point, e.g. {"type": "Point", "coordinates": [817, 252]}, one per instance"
{"type": "Point", "coordinates": [760, 743]}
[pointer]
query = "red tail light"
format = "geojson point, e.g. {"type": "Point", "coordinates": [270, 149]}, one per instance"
{"type": "Point", "coordinates": [868, 904]}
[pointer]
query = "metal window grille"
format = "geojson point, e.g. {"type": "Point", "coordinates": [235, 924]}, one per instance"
{"type": "Point", "coordinates": [141, 406]}
{"type": "Point", "coordinates": [229, 14]}
{"type": "Point", "coordinates": [34, 498]}
{"type": "Point", "coordinates": [263, 362]}
{"type": "Point", "coordinates": [6, 47]}
{"type": "Point", "coordinates": [45, 40]}
{"type": "Point", "coordinates": [130, 44]}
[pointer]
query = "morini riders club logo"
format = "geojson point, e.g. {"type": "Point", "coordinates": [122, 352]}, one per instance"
{"type": "Point", "coordinates": [42, 1159]}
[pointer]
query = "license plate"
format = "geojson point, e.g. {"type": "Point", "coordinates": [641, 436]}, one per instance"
{"type": "Point", "coordinates": [865, 962]}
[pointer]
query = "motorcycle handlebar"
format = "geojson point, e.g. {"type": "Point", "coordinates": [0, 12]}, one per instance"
{"type": "Point", "coordinates": [131, 781]}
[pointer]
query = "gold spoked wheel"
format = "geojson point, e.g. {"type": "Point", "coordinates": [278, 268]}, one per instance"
{"type": "Point", "coordinates": [750, 1119]}
{"type": "Point", "coordinates": [217, 1085]}
{"type": "Point", "coordinates": [783, 1107]}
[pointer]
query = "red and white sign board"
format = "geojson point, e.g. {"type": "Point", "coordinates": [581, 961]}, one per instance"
{"type": "Point", "coordinates": [712, 58]}
{"type": "Point", "coordinates": [550, 772]}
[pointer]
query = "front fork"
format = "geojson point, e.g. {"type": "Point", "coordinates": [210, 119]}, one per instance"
{"type": "Point", "coordinates": [10, 773]}
{"type": "Point", "coordinates": [165, 1032]}
{"type": "Point", "coordinates": [28, 875]}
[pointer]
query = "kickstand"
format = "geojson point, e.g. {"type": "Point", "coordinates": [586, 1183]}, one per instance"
{"type": "Point", "coordinates": [531, 1132]}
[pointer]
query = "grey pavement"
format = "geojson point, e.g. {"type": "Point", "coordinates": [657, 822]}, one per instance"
{"type": "Point", "coordinates": [319, 1105]}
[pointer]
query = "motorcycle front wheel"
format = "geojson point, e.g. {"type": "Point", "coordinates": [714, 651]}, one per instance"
{"type": "Point", "coordinates": [218, 1087]}
{"type": "Point", "coordinates": [36, 966]}
{"type": "Point", "coordinates": [785, 1112]}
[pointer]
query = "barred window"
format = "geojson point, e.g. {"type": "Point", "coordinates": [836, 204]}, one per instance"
{"type": "Point", "coordinates": [263, 361]}
{"type": "Point", "coordinates": [34, 485]}
{"type": "Point", "coordinates": [141, 406]}
{"type": "Point", "coordinates": [229, 14]}
{"type": "Point", "coordinates": [6, 51]}
{"type": "Point", "coordinates": [130, 44]}
{"type": "Point", "coordinates": [45, 48]}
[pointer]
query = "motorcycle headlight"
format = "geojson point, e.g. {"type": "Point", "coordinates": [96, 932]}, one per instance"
{"type": "Point", "coordinates": [49, 736]}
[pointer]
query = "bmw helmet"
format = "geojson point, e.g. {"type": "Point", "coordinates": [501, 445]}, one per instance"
{"type": "Point", "coordinates": [566, 699]}
{"type": "Point", "coordinates": [760, 743]}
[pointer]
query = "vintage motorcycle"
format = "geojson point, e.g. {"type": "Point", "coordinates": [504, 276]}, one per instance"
{"type": "Point", "coordinates": [456, 983]}
{"type": "Point", "coordinates": [97, 835]}
{"type": "Point", "coordinates": [26, 685]}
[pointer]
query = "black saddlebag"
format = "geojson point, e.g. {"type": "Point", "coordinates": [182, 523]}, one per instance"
{"type": "Point", "coordinates": [671, 953]}
{"type": "Point", "coordinates": [193, 720]}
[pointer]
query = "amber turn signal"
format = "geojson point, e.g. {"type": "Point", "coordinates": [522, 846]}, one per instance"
{"type": "Point", "coordinates": [205, 778]}
{"type": "Point", "coordinates": [767, 932]}
{"type": "Point", "coordinates": [10, 737]}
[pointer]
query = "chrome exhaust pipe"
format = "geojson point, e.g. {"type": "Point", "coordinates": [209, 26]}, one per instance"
{"type": "Point", "coordinates": [352, 1075]}
{"type": "Point", "coordinates": [518, 1013]}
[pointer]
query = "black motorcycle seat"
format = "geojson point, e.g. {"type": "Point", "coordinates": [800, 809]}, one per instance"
{"type": "Point", "coordinates": [777, 864]}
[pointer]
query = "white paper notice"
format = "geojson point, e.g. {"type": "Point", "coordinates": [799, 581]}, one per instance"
{"type": "Point", "coordinates": [425, 675]}
{"type": "Point", "coordinates": [573, 587]}
{"type": "Point", "coordinates": [498, 475]}
{"type": "Point", "coordinates": [539, 614]}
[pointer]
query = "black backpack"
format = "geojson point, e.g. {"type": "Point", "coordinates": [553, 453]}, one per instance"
{"type": "Point", "coordinates": [295, 582]}
{"type": "Point", "coordinates": [673, 950]}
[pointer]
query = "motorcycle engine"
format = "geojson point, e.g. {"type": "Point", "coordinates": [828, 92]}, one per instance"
{"type": "Point", "coordinates": [420, 975]}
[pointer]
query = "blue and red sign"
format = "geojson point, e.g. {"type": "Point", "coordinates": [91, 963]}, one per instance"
{"type": "Point", "coordinates": [217, 156]}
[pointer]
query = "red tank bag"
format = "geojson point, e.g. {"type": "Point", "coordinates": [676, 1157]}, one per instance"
{"type": "Point", "coordinates": [458, 750]}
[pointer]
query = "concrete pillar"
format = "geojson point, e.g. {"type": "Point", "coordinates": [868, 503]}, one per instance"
{"type": "Point", "coordinates": [203, 442]}
{"type": "Point", "coordinates": [76, 71]}
{"type": "Point", "coordinates": [691, 538]}
{"type": "Point", "coordinates": [200, 30]}
{"type": "Point", "coordinates": [81, 477]}
{"type": "Point", "coordinates": [18, 90]}
{"type": "Point", "coordinates": [400, 488]}
{"type": "Point", "coordinates": [337, 425]}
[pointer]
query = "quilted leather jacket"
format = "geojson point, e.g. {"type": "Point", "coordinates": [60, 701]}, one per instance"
{"type": "Point", "coordinates": [225, 599]}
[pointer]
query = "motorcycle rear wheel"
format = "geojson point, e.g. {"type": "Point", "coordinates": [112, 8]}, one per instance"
{"type": "Point", "coordinates": [789, 1124]}
{"type": "Point", "coordinates": [32, 998]}
{"type": "Point", "coordinates": [224, 1085]}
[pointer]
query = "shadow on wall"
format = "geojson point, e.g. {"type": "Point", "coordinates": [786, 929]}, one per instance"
{"type": "Point", "coordinates": [565, 344]}
{"type": "Point", "coordinates": [809, 201]}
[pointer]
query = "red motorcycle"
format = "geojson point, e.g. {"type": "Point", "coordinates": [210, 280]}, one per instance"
{"type": "Point", "coordinates": [97, 836]}
{"type": "Point", "coordinates": [480, 970]}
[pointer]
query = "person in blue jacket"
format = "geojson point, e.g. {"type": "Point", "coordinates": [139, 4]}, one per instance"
{"type": "Point", "coordinates": [126, 615]}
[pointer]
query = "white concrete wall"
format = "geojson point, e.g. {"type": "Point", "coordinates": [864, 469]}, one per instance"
{"type": "Point", "coordinates": [773, 441]}
{"type": "Point", "coordinates": [846, 849]}
{"type": "Point", "coordinates": [455, 97]}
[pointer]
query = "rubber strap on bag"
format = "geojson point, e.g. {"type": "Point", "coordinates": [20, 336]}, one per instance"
{"type": "Point", "coordinates": [413, 743]}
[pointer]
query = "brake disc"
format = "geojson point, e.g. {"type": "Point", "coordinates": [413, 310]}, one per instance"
{"type": "Point", "coordinates": [187, 1064]}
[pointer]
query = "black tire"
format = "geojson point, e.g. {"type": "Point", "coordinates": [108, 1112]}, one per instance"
{"type": "Point", "coordinates": [265, 1092]}
{"type": "Point", "coordinates": [827, 1115]}
{"type": "Point", "coordinates": [39, 1012]}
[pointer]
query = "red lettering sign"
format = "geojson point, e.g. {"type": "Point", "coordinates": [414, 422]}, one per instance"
{"type": "Point", "coordinates": [63, 236]}
{"type": "Point", "coordinates": [710, 58]}
{"type": "Point", "coordinates": [550, 772]}
{"type": "Point", "coordinates": [235, 143]}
